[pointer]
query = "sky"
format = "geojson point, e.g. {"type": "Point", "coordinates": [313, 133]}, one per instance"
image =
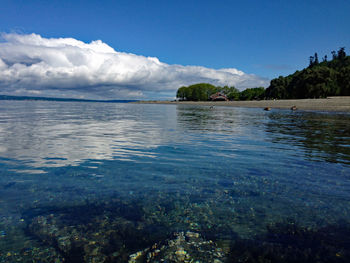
{"type": "Point", "coordinates": [148, 49]}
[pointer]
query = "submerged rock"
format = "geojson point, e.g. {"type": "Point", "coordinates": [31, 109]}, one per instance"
{"type": "Point", "coordinates": [108, 232]}
{"type": "Point", "coordinates": [292, 243]}
{"type": "Point", "coordinates": [185, 247]}
{"type": "Point", "coordinates": [40, 254]}
{"type": "Point", "coordinates": [102, 240]}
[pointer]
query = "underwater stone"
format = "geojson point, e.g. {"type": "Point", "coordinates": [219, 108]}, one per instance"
{"type": "Point", "coordinates": [185, 247]}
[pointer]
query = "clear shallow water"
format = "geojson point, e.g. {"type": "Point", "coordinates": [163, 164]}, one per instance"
{"type": "Point", "coordinates": [70, 170]}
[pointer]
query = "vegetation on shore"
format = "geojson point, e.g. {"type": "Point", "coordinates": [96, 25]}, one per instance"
{"type": "Point", "coordinates": [203, 91]}
{"type": "Point", "coordinates": [318, 80]}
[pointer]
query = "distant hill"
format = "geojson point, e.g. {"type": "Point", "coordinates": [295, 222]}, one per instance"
{"type": "Point", "coordinates": [318, 80]}
{"type": "Point", "coordinates": [8, 97]}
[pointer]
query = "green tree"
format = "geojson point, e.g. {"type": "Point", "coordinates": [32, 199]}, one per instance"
{"type": "Point", "coordinates": [344, 81]}
{"type": "Point", "coordinates": [252, 94]}
{"type": "Point", "coordinates": [311, 61]}
{"type": "Point", "coordinates": [329, 78]}
{"type": "Point", "coordinates": [277, 88]}
{"type": "Point", "coordinates": [316, 59]}
{"type": "Point", "coordinates": [341, 53]}
{"type": "Point", "coordinates": [334, 55]}
{"type": "Point", "coordinates": [181, 93]}
{"type": "Point", "coordinates": [196, 92]}
{"type": "Point", "coordinates": [233, 94]}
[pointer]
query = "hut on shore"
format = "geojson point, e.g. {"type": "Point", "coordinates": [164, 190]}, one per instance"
{"type": "Point", "coordinates": [218, 96]}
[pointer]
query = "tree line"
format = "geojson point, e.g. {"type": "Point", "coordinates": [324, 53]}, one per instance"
{"type": "Point", "coordinates": [203, 91]}
{"type": "Point", "coordinates": [318, 80]}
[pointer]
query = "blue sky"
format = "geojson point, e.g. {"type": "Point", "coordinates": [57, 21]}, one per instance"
{"type": "Point", "coordinates": [265, 38]}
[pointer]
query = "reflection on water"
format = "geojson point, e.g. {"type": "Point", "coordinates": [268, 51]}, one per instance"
{"type": "Point", "coordinates": [42, 134]}
{"type": "Point", "coordinates": [94, 182]}
{"type": "Point", "coordinates": [321, 136]}
{"type": "Point", "coordinates": [220, 120]}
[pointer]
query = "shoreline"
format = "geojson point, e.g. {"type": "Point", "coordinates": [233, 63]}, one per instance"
{"type": "Point", "coordinates": [335, 104]}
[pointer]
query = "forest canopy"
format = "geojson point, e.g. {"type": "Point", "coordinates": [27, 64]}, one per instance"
{"type": "Point", "coordinates": [318, 80]}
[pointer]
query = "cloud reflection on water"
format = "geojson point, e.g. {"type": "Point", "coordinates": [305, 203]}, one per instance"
{"type": "Point", "coordinates": [44, 135]}
{"type": "Point", "coordinates": [61, 134]}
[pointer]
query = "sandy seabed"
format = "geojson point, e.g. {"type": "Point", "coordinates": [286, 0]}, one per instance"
{"type": "Point", "coordinates": [341, 104]}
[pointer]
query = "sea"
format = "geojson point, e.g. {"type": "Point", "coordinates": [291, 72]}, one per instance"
{"type": "Point", "coordinates": [109, 182]}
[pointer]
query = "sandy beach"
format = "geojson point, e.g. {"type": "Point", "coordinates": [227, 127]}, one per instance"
{"type": "Point", "coordinates": [337, 104]}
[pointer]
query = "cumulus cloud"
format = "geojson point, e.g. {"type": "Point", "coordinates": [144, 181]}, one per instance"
{"type": "Point", "coordinates": [68, 67]}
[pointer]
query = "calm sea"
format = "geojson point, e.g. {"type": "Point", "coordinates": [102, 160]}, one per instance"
{"type": "Point", "coordinates": [80, 180]}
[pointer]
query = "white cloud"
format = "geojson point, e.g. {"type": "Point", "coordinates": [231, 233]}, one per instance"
{"type": "Point", "coordinates": [69, 67]}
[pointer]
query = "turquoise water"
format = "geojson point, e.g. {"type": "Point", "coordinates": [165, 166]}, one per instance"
{"type": "Point", "coordinates": [103, 180]}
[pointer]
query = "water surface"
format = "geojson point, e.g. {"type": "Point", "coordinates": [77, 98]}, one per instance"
{"type": "Point", "coordinates": [147, 171]}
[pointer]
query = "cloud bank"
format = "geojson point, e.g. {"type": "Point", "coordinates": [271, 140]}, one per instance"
{"type": "Point", "coordinates": [31, 64]}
